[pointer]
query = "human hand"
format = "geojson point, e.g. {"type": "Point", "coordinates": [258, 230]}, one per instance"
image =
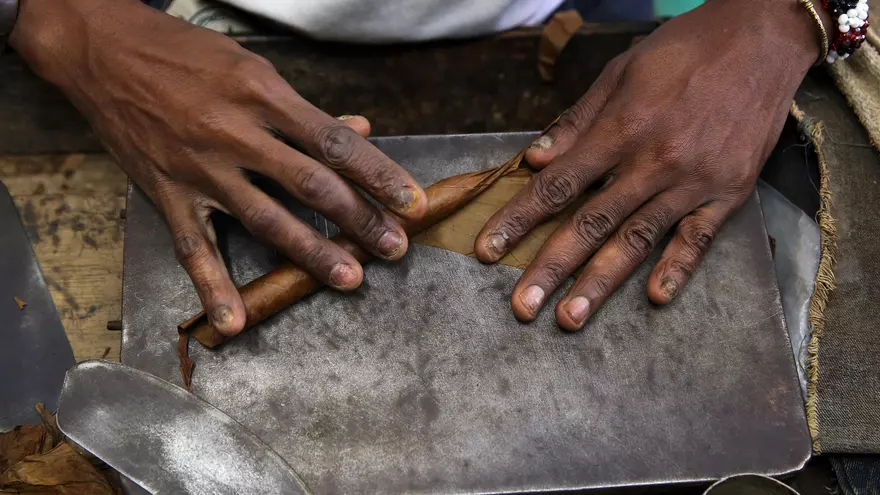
{"type": "Point", "coordinates": [675, 131]}
{"type": "Point", "coordinates": [188, 113]}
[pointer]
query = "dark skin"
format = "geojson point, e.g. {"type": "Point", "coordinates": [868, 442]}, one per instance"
{"type": "Point", "coordinates": [188, 112]}
{"type": "Point", "coordinates": [675, 131]}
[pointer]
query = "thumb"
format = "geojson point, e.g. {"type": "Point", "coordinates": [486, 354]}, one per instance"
{"type": "Point", "coordinates": [575, 121]}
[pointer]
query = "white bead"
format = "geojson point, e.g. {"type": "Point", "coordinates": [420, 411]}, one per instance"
{"type": "Point", "coordinates": [845, 56]}
{"type": "Point", "coordinates": [832, 57]}
{"type": "Point", "coordinates": [861, 2]}
{"type": "Point", "coordinates": [844, 28]}
{"type": "Point", "coordinates": [842, 19]}
{"type": "Point", "coordinates": [862, 7]}
{"type": "Point", "coordinates": [863, 15]}
{"type": "Point", "coordinates": [852, 13]}
{"type": "Point", "coordinates": [857, 23]}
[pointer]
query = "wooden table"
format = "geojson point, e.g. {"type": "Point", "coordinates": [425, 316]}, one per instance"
{"type": "Point", "coordinates": [70, 206]}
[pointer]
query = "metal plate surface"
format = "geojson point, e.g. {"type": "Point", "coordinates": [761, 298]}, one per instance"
{"type": "Point", "coordinates": [163, 438]}
{"type": "Point", "coordinates": [34, 351]}
{"type": "Point", "coordinates": [423, 381]}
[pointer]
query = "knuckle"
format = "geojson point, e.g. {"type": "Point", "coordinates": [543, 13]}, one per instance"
{"type": "Point", "coordinates": [263, 60]}
{"type": "Point", "coordinates": [519, 222]}
{"type": "Point", "coordinates": [336, 145]}
{"type": "Point", "coordinates": [311, 185]}
{"type": "Point", "coordinates": [673, 151]}
{"type": "Point", "coordinates": [262, 86]}
{"type": "Point", "coordinates": [635, 124]}
{"type": "Point", "coordinates": [743, 179]}
{"type": "Point", "coordinates": [592, 226]}
{"type": "Point", "coordinates": [260, 220]}
{"type": "Point", "coordinates": [206, 123]}
{"type": "Point", "coordinates": [697, 236]}
{"type": "Point", "coordinates": [316, 254]}
{"type": "Point", "coordinates": [640, 236]}
{"type": "Point", "coordinates": [190, 248]}
{"type": "Point", "coordinates": [376, 177]}
{"type": "Point", "coordinates": [554, 191]}
{"type": "Point", "coordinates": [367, 223]}
{"type": "Point", "coordinates": [256, 77]}
{"type": "Point", "coordinates": [577, 114]}
{"type": "Point", "coordinates": [555, 270]}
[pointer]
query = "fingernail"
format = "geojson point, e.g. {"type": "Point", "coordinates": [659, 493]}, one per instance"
{"type": "Point", "coordinates": [532, 298]}
{"type": "Point", "coordinates": [578, 308]}
{"type": "Point", "coordinates": [404, 198]}
{"type": "Point", "coordinates": [497, 244]}
{"type": "Point", "coordinates": [542, 143]}
{"type": "Point", "coordinates": [222, 316]}
{"type": "Point", "coordinates": [669, 287]}
{"type": "Point", "coordinates": [342, 276]}
{"type": "Point", "coordinates": [390, 243]}
{"type": "Point", "coordinates": [345, 117]}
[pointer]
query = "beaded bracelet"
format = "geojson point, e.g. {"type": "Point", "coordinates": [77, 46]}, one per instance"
{"type": "Point", "coordinates": [852, 27]}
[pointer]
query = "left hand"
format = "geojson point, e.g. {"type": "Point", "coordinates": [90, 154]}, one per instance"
{"type": "Point", "coordinates": [675, 130]}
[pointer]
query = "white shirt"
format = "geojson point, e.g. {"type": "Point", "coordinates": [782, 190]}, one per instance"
{"type": "Point", "coordinates": [385, 21]}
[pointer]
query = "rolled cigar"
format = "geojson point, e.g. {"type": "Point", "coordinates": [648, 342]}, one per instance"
{"type": "Point", "coordinates": [287, 284]}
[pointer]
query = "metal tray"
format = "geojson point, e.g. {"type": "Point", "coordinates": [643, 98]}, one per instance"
{"type": "Point", "coordinates": [423, 382]}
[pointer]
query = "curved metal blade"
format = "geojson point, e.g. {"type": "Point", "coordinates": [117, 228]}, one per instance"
{"type": "Point", "coordinates": [164, 438]}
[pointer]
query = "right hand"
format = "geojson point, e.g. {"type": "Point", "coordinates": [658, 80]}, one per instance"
{"type": "Point", "coordinates": [188, 112]}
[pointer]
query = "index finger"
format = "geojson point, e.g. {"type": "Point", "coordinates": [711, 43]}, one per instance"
{"type": "Point", "coordinates": [547, 193]}
{"type": "Point", "coordinates": [340, 148]}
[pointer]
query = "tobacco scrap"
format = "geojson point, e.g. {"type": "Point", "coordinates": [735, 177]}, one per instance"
{"type": "Point", "coordinates": [38, 459]}
{"type": "Point", "coordinates": [554, 37]}
{"type": "Point", "coordinates": [21, 304]}
{"type": "Point", "coordinates": [186, 364]}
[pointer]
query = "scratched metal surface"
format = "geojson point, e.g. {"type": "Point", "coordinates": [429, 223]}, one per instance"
{"type": "Point", "coordinates": [423, 382]}
{"type": "Point", "coordinates": [164, 438]}
{"type": "Point", "coordinates": [34, 351]}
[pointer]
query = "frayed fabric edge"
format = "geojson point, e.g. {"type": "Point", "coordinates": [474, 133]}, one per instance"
{"type": "Point", "coordinates": [824, 283]}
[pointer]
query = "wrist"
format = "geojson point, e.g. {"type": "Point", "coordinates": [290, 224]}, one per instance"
{"type": "Point", "coordinates": [799, 34]}
{"type": "Point", "coordinates": [47, 33]}
{"type": "Point", "coordinates": [784, 29]}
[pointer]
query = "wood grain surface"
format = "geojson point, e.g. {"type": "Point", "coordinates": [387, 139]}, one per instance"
{"type": "Point", "coordinates": [70, 206]}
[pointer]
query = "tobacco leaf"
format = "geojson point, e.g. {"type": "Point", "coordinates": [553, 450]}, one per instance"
{"type": "Point", "coordinates": [61, 471]}
{"type": "Point", "coordinates": [19, 443]}
{"type": "Point", "coordinates": [38, 459]}
{"type": "Point", "coordinates": [556, 34]}
{"type": "Point", "coordinates": [26, 440]}
{"type": "Point", "coordinates": [459, 231]}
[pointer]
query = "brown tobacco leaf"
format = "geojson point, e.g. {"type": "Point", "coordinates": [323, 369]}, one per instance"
{"type": "Point", "coordinates": [61, 471]}
{"type": "Point", "coordinates": [37, 459]}
{"type": "Point", "coordinates": [21, 304]}
{"type": "Point", "coordinates": [26, 440]}
{"type": "Point", "coordinates": [186, 364]}
{"type": "Point", "coordinates": [459, 231]}
{"type": "Point", "coordinates": [554, 37]}
{"type": "Point", "coordinates": [19, 443]}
